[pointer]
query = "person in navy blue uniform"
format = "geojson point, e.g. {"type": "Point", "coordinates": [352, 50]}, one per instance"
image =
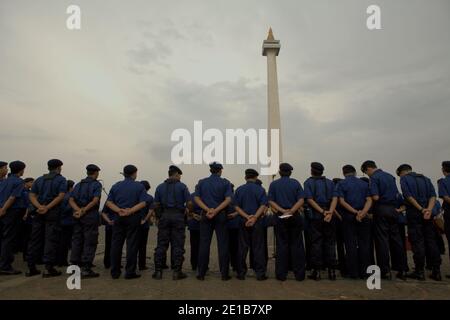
{"type": "Point", "coordinates": [340, 246]}
{"type": "Point", "coordinates": [26, 222]}
{"type": "Point", "coordinates": [319, 192]}
{"type": "Point", "coordinates": [3, 174]}
{"type": "Point", "coordinates": [85, 202]}
{"type": "Point", "coordinates": [266, 223]}
{"type": "Point", "coordinates": [420, 196]}
{"type": "Point", "coordinates": [46, 195]}
{"type": "Point", "coordinates": [233, 226]}
{"type": "Point", "coordinates": [108, 219]}
{"type": "Point", "coordinates": [11, 211]}
{"type": "Point", "coordinates": [126, 199]}
{"type": "Point", "coordinates": [286, 199]}
{"type": "Point", "coordinates": [171, 199]}
{"type": "Point", "coordinates": [444, 194]}
{"type": "Point", "coordinates": [355, 202]}
{"type": "Point", "coordinates": [250, 201]}
{"type": "Point", "coordinates": [213, 195]}
{"type": "Point", "coordinates": [193, 223]}
{"type": "Point", "coordinates": [147, 213]}
{"type": "Point", "coordinates": [66, 230]}
{"type": "Point", "coordinates": [384, 192]}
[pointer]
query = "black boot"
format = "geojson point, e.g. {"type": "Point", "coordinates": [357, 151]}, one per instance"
{"type": "Point", "coordinates": [331, 274]}
{"type": "Point", "coordinates": [386, 276]}
{"type": "Point", "coordinates": [401, 275]}
{"type": "Point", "coordinates": [315, 275]}
{"type": "Point", "coordinates": [51, 272]}
{"type": "Point", "coordinates": [88, 273]}
{"type": "Point", "coordinates": [179, 275]}
{"type": "Point", "coordinates": [32, 272]}
{"type": "Point", "coordinates": [436, 274]}
{"type": "Point", "coordinates": [157, 275]}
{"type": "Point", "coordinates": [417, 275]}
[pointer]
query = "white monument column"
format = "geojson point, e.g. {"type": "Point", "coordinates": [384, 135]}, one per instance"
{"type": "Point", "coordinates": [271, 49]}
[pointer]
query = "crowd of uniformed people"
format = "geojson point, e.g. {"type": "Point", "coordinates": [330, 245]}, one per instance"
{"type": "Point", "coordinates": [321, 227]}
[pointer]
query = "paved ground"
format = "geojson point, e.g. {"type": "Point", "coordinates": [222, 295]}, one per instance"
{"type": "Point", "coordinates": [19, 287]}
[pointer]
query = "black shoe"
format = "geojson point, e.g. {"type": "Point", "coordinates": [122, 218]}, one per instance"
{"type": "Point", "coordinates": [143, 268]}
{"type": "Point", "coordinates": [240, 277]}
{"type": "Point", "coordinates": [386, 276]}
{"type": "Point", "coordinates": [447, 276]}
{"type": "Point", "coordinates": [262, 278]}
{"type": "Point", "coordinates": [132, 276]}
{"type": "Point", "coordinates": [300, 278]}
{"type": "Point", "coordinates": [88, 273]}
{"type": "Point", "coordinates": [436, 275]}
{"type": "Point", "coordinates": [417, 275]}
{"type": "Point", "coordinates": [201, 278]}
{"type": "Point", "coordinates": [315, 275]}
{"type": "Point", "coordinates": [281, 278]}
{"type": "Point", "coordinates": [226, 277]}
{"type": "Point", "coordinates": [401, 275]}
{"type": "Point", "coordinates": [157, 275]}
{"type": "Point", "coordinates": [331, 274]}
{"type": "Point", "coordinates": [51, 272]}
{"type": "Point", "coordinates": [32, 272]}
{"type": "Point", "coordinates": [10, 272]}
{"type": "Point", "coordinates": [115, 276]}
{"type": "Point", "coordinates": [178, 275]}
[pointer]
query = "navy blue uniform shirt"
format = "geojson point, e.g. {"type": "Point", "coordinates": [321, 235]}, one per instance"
{"type": "Point", "coordinates": [12, 187]}
{"type": "Point", "coordinates": [213, 190]}
{"type": "Point", "coordinates": [127, 193]}
{"type": "Point", "coordinates": [383, 184]}
{"type": "Point", "coordinates": [48, 187]}
{"type": "Point", "coordinates": [85, 191]}
{"type": "Point", "coordinates": [320, 189]}
{"type": "Point", "coordinates": [67, 218]}
{"type": "Point", "coordinates": [172, 194]}
{"type": "Point", "coordinates": [286, 192]}
{"type": "Point", "coordinates": [250, 197]}
{"type": "Point", "coordinates": [444, 189]}
{"type": "Point", "coordinates": [417, 186]}
{"type": "Point", "coordinates": [354, 191]}
{"type": "Point", "coordinates": [149, 204]}
{"type": "Point", "coordinates": [194, 224]}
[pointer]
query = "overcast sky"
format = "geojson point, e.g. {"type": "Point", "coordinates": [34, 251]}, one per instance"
{"type": "Point", "coordinates": [113, 92]}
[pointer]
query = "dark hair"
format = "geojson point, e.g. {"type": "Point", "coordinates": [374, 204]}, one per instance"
{"type": "Point", "coordinates": [403, 167]}
{"type": "Point", "coordinates": [251, 176]}
{"type": "Point", "coordinates": [316, 172]}
{"type": "Point", "coordinates": [214, 170]}
{"type": "Point", "coordinates": [446, 166]}
{"type": "Point", "coordinates": [146, 184]}
{"type": "Point", "coordinates": [70, 184]}
{"type": "Point", "coordinates": [347, 169]}
{"type": "Point", "coordinates": [285, 173]}
{"type": "Point", "coordinates": [368, 164]}
{"type": "Point", "coordinates": [172, 172]}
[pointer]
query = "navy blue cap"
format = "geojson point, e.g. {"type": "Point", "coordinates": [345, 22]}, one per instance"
{"type": "Point", "coordinates": [129, 169]}
{"type": "Point", "coordinates": [173, 168]}
{"type": "Point", "coordinates": [251, 172]}
{"type": "Point", "coordinates": [3, 164]}
{"type": "Point", "coordinates": [54, 163]}
{"type": "Point", "coordinates": [92, 168]}
{"type": "Point", "coordinates": [317, 166]}
{"type": "Point", "coordinates": [146, 184]}
{"type": "Point", "coordinates": [216, 165]}
{"type": "Point", "coordinates": [285, 167]}
{"type": "Point", "coordinates": [16, 166]}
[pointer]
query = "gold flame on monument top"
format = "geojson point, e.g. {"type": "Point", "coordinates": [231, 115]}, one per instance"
{"type": "Point", "coordinates": [270, 35]}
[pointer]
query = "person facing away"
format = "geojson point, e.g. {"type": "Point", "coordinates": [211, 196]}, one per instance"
{"type": "Point", "coordinates": [355, 201]}
{"type": "Point", "coordinates": [286, 199]}
{"type": "Point", "coordinates": [213, 195]}
{"type": "Point", "coordinates": [171, 199]}
{"type": "Point", "coordinates": [388, 243]}
{"type": "Point", "coordinates": [126, 199]}
{"type": "Point", "coordinates": [250, 201]}
{"type": "Point", "coordinates": [319, 192]}
{"type": "Point", "coordinates": [420, 196]}
{"type": "Point", "coordinates": [85, 202]}
{"type": "Point", "coordinates": [46, 195]}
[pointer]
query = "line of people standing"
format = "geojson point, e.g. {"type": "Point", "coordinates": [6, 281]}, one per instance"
{"type": "Point", "coordinates": [327, 225]}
